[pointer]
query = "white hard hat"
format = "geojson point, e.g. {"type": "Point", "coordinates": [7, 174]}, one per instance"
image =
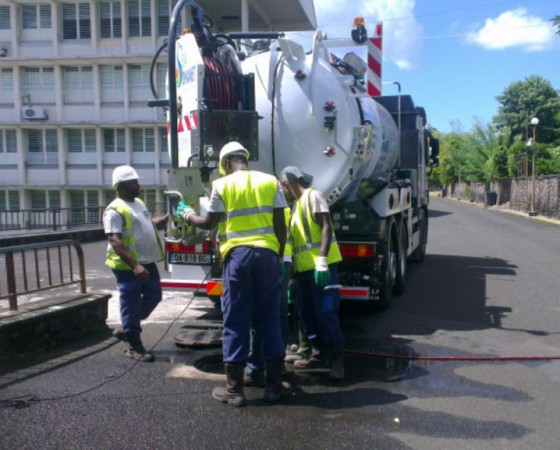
{"type": "Point", "coordinates": [124, 173]}
{"type": "Point", "coordinates": [231, 148]}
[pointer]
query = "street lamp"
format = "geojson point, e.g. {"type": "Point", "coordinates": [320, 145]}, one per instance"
{"type": "Point", "coordinates": [534, 122]}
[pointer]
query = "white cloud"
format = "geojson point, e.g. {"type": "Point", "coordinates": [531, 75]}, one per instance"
{"type": "Point", "coordinates": [401, 43]}
{"type": "Point", "coordinates": [515, 28]}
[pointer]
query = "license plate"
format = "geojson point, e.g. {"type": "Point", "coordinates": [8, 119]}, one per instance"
{"type": "Point", "coordinates": [190, 258]}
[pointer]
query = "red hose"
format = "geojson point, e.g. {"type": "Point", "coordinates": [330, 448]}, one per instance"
{"type": "Point", "coordinates": [219, 85]}
{"type": "Point", "coordinates": [451, 358]}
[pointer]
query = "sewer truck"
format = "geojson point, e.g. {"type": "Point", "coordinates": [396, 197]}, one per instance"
{"type": "Point", "coordinates": [370, 156]}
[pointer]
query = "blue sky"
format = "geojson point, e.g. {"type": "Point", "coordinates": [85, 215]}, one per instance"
{"type": "Point", "coordinates": [454, 57]}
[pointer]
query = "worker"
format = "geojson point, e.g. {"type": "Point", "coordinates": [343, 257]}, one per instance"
{"type": "Point", "coordinates": [316, 255]}
{"type": "Point", "coordinates": [249, 207]}
{"type": "Point", "coordinates": [134, 247]}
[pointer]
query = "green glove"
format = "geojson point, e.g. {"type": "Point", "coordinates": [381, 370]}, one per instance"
{"type": "Point", "coordinates": [292, 292]}
{"type": "Point", "coordinates": [322, 272]}
{"type": "Point", "coordinates": [183, 210]}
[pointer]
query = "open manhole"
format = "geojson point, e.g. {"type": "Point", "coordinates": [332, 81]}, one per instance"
{"type": "Point", "coordinates": [202, 337]}
{"type": "Point", "coordinates": [211, 364]}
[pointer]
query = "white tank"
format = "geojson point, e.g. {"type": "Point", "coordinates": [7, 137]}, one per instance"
{"type": "Point", "coordinates": [338, 158]}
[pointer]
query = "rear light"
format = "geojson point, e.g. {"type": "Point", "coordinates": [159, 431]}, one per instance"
{"type": "Point", "coordinates": [178, 247]}
{"type": "Point", "coordinates": [357, 250]}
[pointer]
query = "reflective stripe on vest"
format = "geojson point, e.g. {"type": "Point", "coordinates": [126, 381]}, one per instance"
{"type": "Point", "coordinates": [306, 237]}
{"type": "Point", "coordinates": [248, 197]}
{"type": "Point", "coordinates": [114, 261]}
{"type": "Point", "coordinates": [288, 217]}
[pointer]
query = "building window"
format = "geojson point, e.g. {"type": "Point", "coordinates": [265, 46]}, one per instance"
{"type": "Point", "coordinates": [78, 85]}
{"type": "Point", "coordinates": [143, 140]}
{"type": "Point", "coordinates": [114, 140]}
{"type": "Point", "coordinates": [164, 11]}
{"type": "Point", "coordinates": [8, 141]}
{"type": "Point", "coordinates": [84, 207]}
{"type": "Point", "coordinates": [4, 17]}
{"type": "Point", "coordinates": [38, 199]}
{"type": "Point", "coordinates": [110, 22]}
{"type": "Point", "coordinates": [139, 83]}
{"type": "Point", "coordinates": [161, 73]}
{"type": "Point", "coordinates": [12, 198]}
{"type": "Point", "coordinates": [36, 17]}
{"type": "Point", "coordinates": [81, 141]}
{"type": "Point", "coordinates": [6, 86]}
{"type": "Point", "coordinates": [42, 147]}
{"type": "Point", "coordinates": [112, 84]}
{"type": "Point", "coordinates": [76, 22]}
{"type": "Point", "coordinates": [163, 137]}
{"type": "Point", "coordinates": [38, 84]}
{"type": "Point", "coordinates": [139, 18]}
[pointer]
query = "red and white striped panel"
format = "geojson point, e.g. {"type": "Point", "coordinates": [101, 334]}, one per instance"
{"type": "Point", "coordinates": [374, 61]}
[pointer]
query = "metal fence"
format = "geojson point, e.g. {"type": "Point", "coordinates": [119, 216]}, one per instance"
{"type": "Point", "coordinates": [26, 269]}
{"type": "Point", "coordinates": [58, 219]}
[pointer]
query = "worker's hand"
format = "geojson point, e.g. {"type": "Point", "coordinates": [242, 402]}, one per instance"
{"type": "Point", "coordinates": [161, 222]}
{"type": "Point", "coordinates": [322, 273]}
{"type": "Point", "coordinates": [292, 292]}
{"type": "Point", "coordinates": [184, 210]}
{"type": "Point", "coordinates": [141, 273]}
{"type": "Point", "coordinates": [282, 270]}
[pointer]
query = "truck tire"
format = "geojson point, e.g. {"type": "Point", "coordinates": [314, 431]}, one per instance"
{"type": "Point", "coordinates": [388, 266]}
{"type": "Point", "coordinates": [420, 252]}
{"type": "Point", "coordinates": [401, 269]}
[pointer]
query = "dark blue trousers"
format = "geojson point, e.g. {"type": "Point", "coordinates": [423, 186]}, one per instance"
{"type": "Point", "coordinates": [318, 308]}
{"type": "Point", "coordinates": [251, 295]}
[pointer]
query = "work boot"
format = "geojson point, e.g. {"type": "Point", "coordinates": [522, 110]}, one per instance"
{"type": "Point", "coordinates": [315, 362]}
{"type": "Point", "coordinates": [135, 349]}
{"type": "Point", "coordinates": [255, 379]}
{"type": "Point", "coordinates": [337, 362]}
{"type": "Point", "coordinates": [233, 392]}
{"type": "Point", "coordinates": [275, 389]}
{"type": "Point", "coordinates": [303, 351]}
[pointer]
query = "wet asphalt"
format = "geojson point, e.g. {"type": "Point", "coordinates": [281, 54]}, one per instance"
{"type": "Point", "coordinates": [418, 374]}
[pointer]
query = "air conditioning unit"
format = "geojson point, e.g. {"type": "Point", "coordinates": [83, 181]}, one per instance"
{"type": "Point", "coordinates": [34, 113]}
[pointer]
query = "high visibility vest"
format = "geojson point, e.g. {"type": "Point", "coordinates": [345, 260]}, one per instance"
{"type": "Point", "coordinates": [248, 196]}
{"type": "Point", "coordinates": [114, 261]}
{"type": "Point", "coordinates": [306, 237]}
{"type": "Point", "coordinates": [288, 217]}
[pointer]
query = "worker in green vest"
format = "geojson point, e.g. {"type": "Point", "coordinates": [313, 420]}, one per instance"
{"type": "Point", "coordinates": [133, 249]}
{"type": "Point", "coordinates": [316, 255]}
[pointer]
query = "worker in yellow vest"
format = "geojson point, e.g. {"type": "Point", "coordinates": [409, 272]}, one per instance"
{"type": "Point", "coordinates": [316, 255]}
{"type": "Point", "coordinates": [248, 207]}
{"type": "Point", "coordinates": [133, 249]}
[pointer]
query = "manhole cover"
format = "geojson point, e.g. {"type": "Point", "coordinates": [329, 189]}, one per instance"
{"type": "Point", "coordinates": [199, 338]}
{"type": "Point", "coordinates": [210, 364]}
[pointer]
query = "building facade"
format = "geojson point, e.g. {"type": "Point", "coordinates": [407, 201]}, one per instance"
{"type": "Point", "coordinates": [74, 87]}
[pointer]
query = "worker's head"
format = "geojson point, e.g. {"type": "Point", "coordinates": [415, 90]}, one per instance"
{"type": "Point", "coordinates": [125, 180]}
{"type": "Point", "coordinates": [229, 152]}
{"type": "Point", "coordinates": [294, 181]}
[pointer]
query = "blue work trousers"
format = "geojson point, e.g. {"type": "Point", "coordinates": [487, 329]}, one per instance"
{"type": "Point", "coordinates": [137, 298]}
{"type": "Point", "coordinates": [318, 307]}
{"type": "Point", "coordinates": [251, 296]}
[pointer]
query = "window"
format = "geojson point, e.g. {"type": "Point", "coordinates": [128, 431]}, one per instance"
{"type": "Point", "coordinates": [110, 21]}
{"type": "Point", "coordinates": [163, 137]}
{"type": "Point", "coordinates": [42, 147]}
{"type": "Point", "coordinates": [13, 200]}
{"type": "Point", "coordinates": [8, 141]}
{"type": "Point", "coordinates": [81, 141]}
{"type": "Point", "coordinates": [161, 73]}
{"type": "Point", "coordinates": [114, 140]}
{"type": "Point", "coordinates": [143, 140]}
{"type": "Point", "coordinates": [76, 21]}
{"type": "Point", "coordinates": [53, 197]}
{"type": "Point", "coordinates": [6, 86]}
{"type": "Point", "coordinates": [36, 17]}
{"type": "Point", "coordinates": [79, 203]}
{"type": "Point", "coordinates": [4, 17]}
{"type": "Point", "coordinates": [78, 85]}
{"type": "Point", "coordinates": [164, 11]}
{"type": "Point", "coordinates": [112, 84]}
{"type": "Point", "coordinates": [38, 84]}
{"type": "Point", "coordinates": [139, 83]}
{"type": "Point", "coordinates": [139, 18]}
{"type": "Point", "coordinates": [38, 199]}
{"type": "Point", "coordinates": [148, 196]}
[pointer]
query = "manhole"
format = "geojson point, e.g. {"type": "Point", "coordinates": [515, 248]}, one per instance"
{"type": "Point", "coordinates": [210, 364]}
{"type": "Point", "coordinates": [199, 338]}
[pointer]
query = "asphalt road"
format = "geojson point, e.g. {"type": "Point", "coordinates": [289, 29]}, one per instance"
{"type": "Point", "coordinates": [489, 287]}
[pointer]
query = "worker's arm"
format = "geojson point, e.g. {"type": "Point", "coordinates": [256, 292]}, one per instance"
{"type": "Point", "coordinates": [115, 240]}
{"type": "Point", "coordinates": [279, 224]}
{"type": "Point", "coordinates": [207, 222]}
{"type": "Point", "coordinates": [161, 222]}
{"type": "Point", "coordinates": [324, 221]}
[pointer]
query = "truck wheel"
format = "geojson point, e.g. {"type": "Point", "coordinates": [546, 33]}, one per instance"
{"type": "Point", "coordinates": [388, 267]}
{"type": "Point", "coordinates": [420, 252]}
{"type": "Point", "coordinates": [400, 280]}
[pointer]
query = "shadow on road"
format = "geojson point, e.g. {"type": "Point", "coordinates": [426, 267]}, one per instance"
{"type": "Point", "coordinates": [434, 213]}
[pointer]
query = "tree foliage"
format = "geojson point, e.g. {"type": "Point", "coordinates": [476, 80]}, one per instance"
{"type": "Point", "coordinates": [556, 22]}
